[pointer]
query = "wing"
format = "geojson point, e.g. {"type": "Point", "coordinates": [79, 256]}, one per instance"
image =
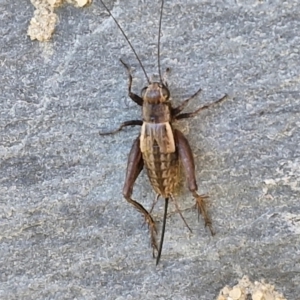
{"type": "Point", "coordinates": [153, 134]}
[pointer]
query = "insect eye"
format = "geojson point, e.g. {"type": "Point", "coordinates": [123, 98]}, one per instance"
{"type": "Point", "coordinates": [143, 91]}
{"type": "Point", "coordinates": [165, 92]}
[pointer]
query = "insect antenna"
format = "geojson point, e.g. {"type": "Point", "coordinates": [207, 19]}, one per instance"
{"type": "Point", "coordinates": [163, 231]}
{"type": "Point", "coordinates": [125, 36]}
{"type": "Point", "coordinates": [158, 42]}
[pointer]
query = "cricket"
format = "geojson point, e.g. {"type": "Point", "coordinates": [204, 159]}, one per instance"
{"type": "Point", "coordinates": [160, 148]}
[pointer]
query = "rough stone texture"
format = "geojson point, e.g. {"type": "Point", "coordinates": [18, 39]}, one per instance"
{"type": "Point", "coordinates": [66, 232]}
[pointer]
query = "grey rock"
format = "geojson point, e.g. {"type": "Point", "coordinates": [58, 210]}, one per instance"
{"type": "Point", "coordinates": [66, 231]}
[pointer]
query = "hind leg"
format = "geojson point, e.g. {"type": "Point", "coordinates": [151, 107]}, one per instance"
{"type": "Point", "coordinates": [134, 167]}
{"type": "Point", "coordinates": [186, 157]}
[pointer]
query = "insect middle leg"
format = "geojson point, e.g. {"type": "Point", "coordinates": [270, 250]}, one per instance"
{"type": "Point", "coordinates": [134, 167]}
{"type": "Point", "coordinates": [192, 114]}
{"type": "Point", "coordinates": [124, 124]}
{"type": "Point", "coordinates": [187, 160]}
{"type": "Point", "coordinates": [178, 109]}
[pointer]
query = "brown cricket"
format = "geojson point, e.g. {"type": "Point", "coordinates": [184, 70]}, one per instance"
{"type": "Point", "coordinates": [160, 147]}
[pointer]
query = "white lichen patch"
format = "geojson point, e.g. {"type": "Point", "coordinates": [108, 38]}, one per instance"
{"type": "Point", "coordinates": [288, 173]}
{"type": "Point", "coordinates": [293, 222]}
{"type": "Point", "coordinates": [245, 290]}
{"type": "Point", "coordinates": [44, 20]}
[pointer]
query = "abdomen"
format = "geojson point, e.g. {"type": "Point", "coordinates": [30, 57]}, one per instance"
{"type": "Point", "coordinates": [160, 157]}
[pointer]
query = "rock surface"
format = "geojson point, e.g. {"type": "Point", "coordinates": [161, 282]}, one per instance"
{"type": "Point", "coordinates": [66, 232]}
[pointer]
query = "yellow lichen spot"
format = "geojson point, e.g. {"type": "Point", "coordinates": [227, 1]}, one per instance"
{"type": "Point", "coordinates": [44, 20]}
{"type": "Point", "coordinates": [42, 25]}
{"type": "Point", "coordinates": [79, 3]}
{"type": "Point", "coordinates": [55, 3]}
{"type": "Point", "coordinates": [257, 296]}
{"type": "Point", "coordinates": [82, 3]}
{"type": "Point", "coordinates": [235, 293]}
{"type": "Point", "coordinates": [245, 288]}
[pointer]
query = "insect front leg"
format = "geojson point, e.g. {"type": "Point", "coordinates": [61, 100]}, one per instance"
{"type": "Point", "coordinates": [134, 167]}
{"type": "Point", "coordinates": [137, 99]}
{"type": "Point", "coordinates": [187, 159]}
